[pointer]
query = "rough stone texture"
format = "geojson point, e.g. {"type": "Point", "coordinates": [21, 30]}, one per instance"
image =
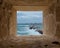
{"type": "Point", "coordinates": [50, 20]}
{"type": "Point", "coordinates": [28, 2]}
{"type": "Point", "coordinates": [58, 30]}
{"type": "Point", "coordinates": [58, 14]}
{"type": "Point", "coordinates": [4, 20]}
{"type": "Point", "coordinates": [30, 42]}
{"type": "Point", "coordinates": [8, 30]}
{"type": "Point", "coordinates": [13, 23]}
{"type": "Point", "coordinates": [58, 19]}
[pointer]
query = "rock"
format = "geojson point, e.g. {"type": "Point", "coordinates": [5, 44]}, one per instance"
{"type": "Point", "coordinates": [56, 42]}
{"type": "Point", "coordinates": [32, 27]}
{"type": "Point", "coordinates": [40, 31]}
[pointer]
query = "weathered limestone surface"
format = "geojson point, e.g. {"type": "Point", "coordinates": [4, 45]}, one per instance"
{"type": "Point", "coordinates": [30, 42]}
{"type": "Point", "coordinates": [50, 20]}
{"type": "Point", "coordinates": [58, 19]}
{"type": "Point", "coordinates": [51, 29]}
{"type": "Point", "coordinates": [5, 14]}
{"type": "Point", "coordinates": [13, 23]}
{"type": "Point", "coordinates": [28, 2]}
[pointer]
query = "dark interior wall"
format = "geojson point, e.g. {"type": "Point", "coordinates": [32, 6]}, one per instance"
{"type": "Point", "coordinates": [5, 13]}
{"type": "Point", "coordinates": [58, 19]}
{"type": "Point", "coordinates": [50, 20]}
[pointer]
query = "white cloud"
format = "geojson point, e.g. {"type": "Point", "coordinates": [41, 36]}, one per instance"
{"type": "Point", "coordinates": [29, 16]}
{"type": "Point", "coordinates": [35, 16]}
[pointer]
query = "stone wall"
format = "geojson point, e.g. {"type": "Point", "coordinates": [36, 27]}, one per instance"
{"type": "Point", "coordinates": [50, 20]}
{"type": "Point", "coordinates": [5, 13]}
{"type": "Point", "coordinates": [8, 24]}
{"type": "Point", "coordinates": [8, 19]}
{"type": "Point", "coordinates": [13, 23]}
{"type": "Point", "coordinates": [58, 19]}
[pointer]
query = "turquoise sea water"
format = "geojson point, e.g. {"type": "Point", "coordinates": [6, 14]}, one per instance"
{"type": "Point", "coordinates": [23, 29]}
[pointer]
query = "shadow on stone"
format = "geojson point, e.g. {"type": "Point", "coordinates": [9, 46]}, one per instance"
{"type": "Point", "coordinates": [11, 46]}
{"type": "Point", "coordinates": [45, 45]}
{"type": "Point", "coordinates": [56, 42]}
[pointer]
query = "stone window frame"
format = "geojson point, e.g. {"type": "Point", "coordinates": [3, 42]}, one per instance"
{"type": "Point", "coordinates": [25, 8]}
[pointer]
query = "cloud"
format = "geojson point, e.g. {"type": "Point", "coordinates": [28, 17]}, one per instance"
{"type": "Point", "coordinates": [29, 16]}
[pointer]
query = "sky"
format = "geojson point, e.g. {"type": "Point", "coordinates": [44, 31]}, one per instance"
{"type": "Point", "coordinates": [29, 16]}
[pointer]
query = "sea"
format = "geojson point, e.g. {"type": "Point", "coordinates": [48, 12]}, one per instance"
{"type": "Point", "coordinates": [24, 28]}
